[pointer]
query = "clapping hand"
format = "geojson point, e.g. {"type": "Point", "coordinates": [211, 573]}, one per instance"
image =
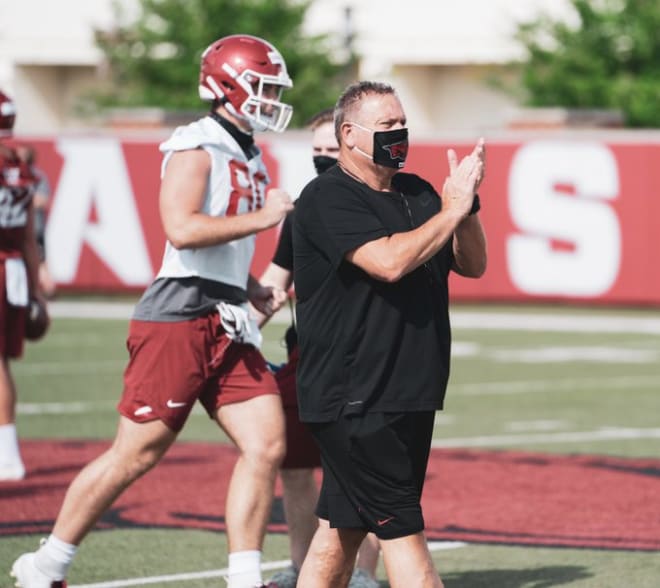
{"type": "Point", "coordinates": [464, 179]}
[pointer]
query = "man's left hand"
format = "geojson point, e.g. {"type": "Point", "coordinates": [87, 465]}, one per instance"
{"type": "Point", "coordinates": [267, 299]}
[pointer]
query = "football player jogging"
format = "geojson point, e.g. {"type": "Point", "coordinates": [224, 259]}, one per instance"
{"type": "Point", "coordinates": [19, 282]}
{"type": "Point", "coordinates": [300, 492]}
{"type": "Point", "coordinates": [373, 249]}
{"type": "Point", "coordinates": [191, 336]}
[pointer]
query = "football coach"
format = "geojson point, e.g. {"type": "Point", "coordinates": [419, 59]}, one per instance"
{"type": "Point", "coordinates": [373, 248]}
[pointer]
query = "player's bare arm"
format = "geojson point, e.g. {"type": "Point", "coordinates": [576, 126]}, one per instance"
{"type": "Point", "coordinates": [182, 196]}
{"type": "Point", "coordinates": [390, 258]}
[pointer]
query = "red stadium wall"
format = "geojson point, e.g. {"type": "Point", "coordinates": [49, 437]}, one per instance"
{"type": "Point", "coordinates": [571, 218]}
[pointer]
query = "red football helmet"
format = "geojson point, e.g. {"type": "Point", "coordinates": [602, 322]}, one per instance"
{"type": "Point", "coordinates": [247, 75]}
{"type": "Point", "coordinates": [7, 115]}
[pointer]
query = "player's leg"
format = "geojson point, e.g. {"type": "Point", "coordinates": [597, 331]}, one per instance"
{"type": "Point", "coordinates": [11, 464]}
{"type": "Point", "coordinates": [331, 557]}
{"type": "Point", "coordinates": [256, 426]}
{"type": "Point", "coordinates": [299, 489]}
{"type": "Point", "coordinates": [136, 449]}
{"type": "Point", "coordinates": [408, 562]}
{"type": "Point", "coordinates": [364, 575]}
{"type": "Point", "coordinates": [163, 364]}
{"type": "Point", "coordinates": [12, 329]}
{"type": "Point", "coordinates": [7, 394]}
{"type": "Point", "coordinates": [300, 494]}
{"type": "Point", "coordinates": [246, 403]}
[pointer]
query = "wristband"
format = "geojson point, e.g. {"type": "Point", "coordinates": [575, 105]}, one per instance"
{"type": "Point", "coordinates": [476, 205]}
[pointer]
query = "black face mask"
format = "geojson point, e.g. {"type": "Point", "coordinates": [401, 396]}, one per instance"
{"type": "Point", "coordinates": [323, 163]}
{"type": "Point", "coordinates": [390, 147]}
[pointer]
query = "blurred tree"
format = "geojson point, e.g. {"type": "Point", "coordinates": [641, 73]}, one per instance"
{"type": "Point", "coordinates": [153, 61]}
{"type": "Point", "coordinates": [611, 59]}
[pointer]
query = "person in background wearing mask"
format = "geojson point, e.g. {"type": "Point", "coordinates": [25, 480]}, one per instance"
{"type": "Point", "coordinates": [300, 491]}
{"type": "Point", "coordinates": [373, 249]}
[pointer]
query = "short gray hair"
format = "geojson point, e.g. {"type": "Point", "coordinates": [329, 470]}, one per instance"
{"type": "Point", "coordinates": [352, 95]}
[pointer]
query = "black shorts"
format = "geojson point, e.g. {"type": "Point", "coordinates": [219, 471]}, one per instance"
{"type": "Point", "coordinates": [374, 467]}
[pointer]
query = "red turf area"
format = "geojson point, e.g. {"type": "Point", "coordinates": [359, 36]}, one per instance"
{"type": "Point", "coordinates": [470, 495]}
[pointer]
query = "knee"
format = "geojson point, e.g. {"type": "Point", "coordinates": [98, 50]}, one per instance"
{"type": "Point", "coordinates": [276, 450]}
{"type": "Point", "coordinates": [266, 451]}
{"type": "Point", "coordinates": [134, 464]}
{"type": "Point", "coordinates": [144, 461]}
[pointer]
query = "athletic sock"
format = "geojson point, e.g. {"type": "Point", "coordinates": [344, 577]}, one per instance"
{"type": "Point", "coordinates": [54, 558]}
{"type": "Point", "coordinates": [9, 452]}
{"type": "Point", "coordinates": [244, 569]}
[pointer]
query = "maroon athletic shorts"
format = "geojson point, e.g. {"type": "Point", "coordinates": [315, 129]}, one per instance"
{"type": "Point", "coordinates": [172, 364]}
{"type": "Point", "coordinates": [12, 321]}
{"type": "Point", "coordinates": [301, 449]}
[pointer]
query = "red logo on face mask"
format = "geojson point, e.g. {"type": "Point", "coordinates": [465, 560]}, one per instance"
{"type": "Point", "coordinates": [397, 150]}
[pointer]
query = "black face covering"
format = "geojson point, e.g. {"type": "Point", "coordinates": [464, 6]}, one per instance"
{"type": "Point", "coordinates": [391, 148]}
{"type": "Point", "coordinates": [323, 163]}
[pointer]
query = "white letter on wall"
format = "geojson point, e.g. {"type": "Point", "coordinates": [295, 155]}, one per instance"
{"type": "Point", "coordinates": [584, 219]}
{"type": "Point", "coordinates": [95, 175]}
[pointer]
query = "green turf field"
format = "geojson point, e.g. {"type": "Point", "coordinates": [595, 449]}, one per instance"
{"type": "Point", "coordinates": [559, 380]}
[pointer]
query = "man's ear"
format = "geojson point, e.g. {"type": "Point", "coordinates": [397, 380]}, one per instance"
{"type": "Point", "coordinates": [347, 135]}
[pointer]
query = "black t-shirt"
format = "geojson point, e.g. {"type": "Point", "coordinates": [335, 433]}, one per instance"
{"type": "Point", "coordinates": [284, 252]}
{"type": "Point", "coordinates": [284, 258]}
{"type": "Point", "coordinates": [366, 344]}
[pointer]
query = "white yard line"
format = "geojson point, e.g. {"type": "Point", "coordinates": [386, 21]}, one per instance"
{"type": "Point", "coordinates": [68, 368]}
{"type": "Point", "coordinates": [461, 319]}
{"type": "Point", "coordinates": [96, 310]}
{"type": "Point", "coordinates": [54, 407]}
{"type": "Point", "coordinates": [558, 384]}
{"type": "Point", "coordinates": [556, 322]}
{"type": "Point", "coordinates": [603, 434]}
{"type": "Point", "coordinates": [74, 407]}
{"type": "Point", "coordinates": [445, 545]}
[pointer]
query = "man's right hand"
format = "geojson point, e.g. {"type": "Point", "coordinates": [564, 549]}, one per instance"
{"type": "Point", "coordinates": [458, 189]}
{"type": "Point", "coordinates": [278, 205]}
